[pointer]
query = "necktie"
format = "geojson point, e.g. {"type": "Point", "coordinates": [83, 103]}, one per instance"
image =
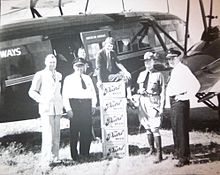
{"type": "Point", "coordinates": [146, 80]}
{"type": "Point", "coordinates": [83, 83]}
{"type": "Point", "coordinates": [54, 76]}
{"type": "Point", "coordinates": [109, 63]}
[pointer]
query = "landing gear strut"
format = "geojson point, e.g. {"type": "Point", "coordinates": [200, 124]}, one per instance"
{"type": "Point", "coordinates": [218, 96]}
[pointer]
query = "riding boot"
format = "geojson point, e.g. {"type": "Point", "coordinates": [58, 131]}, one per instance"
{"type": "Point", "coordinates": [150, 138]}
{"type": "Point", "coordinates": [159, 149]}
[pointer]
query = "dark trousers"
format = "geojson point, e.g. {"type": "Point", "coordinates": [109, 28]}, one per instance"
{"type": "Point", "coordinates": [179, 122]}
{"type": "Point", "coordinates": [80, 127]}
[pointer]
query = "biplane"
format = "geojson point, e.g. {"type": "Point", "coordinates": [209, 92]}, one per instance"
{"type": "Point", "coordinates": [24, 45]}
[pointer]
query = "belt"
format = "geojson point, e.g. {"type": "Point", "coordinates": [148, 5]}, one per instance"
{"type": "Point", "coordinates": [81, 99]}
{"type": "Point", "coordinates": [146, 94]}
{"type": "Point", "coordinates": [173, 96]}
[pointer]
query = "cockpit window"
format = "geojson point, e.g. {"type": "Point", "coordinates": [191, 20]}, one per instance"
{"type": "Point", "coordinates": [124, 45]}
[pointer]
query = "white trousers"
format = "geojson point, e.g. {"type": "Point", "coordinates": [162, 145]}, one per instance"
{"type": "Point", "coordinates": [50, 137]}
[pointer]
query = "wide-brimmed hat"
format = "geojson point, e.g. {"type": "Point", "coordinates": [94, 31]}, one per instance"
{"type": "Point", "coordinates": [79, 61]}
{"type": "Point", "coordinates": [173, 53]}
{"type": "Point", "coordinates": [149, 56]}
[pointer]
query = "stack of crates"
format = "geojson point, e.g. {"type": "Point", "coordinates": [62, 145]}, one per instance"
{"type": "Point", "coordinates": [113, 109]}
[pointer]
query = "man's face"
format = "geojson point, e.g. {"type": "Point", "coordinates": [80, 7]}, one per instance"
{"type": "Point", "coordinates": [149, 63]}
{"type": "Point", "coordinates": [109, 47]}
{"type": "Point", "coordinates": [79, 69]}
{"type": "Point", "coordinates": [82, 53]}
{"type": "Point", "coordinates": [51, 62]}
{"type": "Point", "coordinates": [173, 61]}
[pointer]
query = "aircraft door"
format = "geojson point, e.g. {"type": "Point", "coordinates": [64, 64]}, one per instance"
{"type": "Point", "coordinates": [93, 42]}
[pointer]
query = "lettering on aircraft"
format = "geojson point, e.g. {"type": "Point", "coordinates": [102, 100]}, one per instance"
{"type": "Point", "coordinates": [96, 36]}
{"type": "Point", "coordinates": [10, 52]}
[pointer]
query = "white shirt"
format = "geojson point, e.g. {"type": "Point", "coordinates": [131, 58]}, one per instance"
{"type": "Point", "coordinates": [182, 82]}
{"type": "Point", "coordinates": [72, 88]}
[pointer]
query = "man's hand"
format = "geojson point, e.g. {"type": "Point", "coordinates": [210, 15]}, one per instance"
{"type": "Point", "coordinates": [70, 114]}
{"type": "Point", "coordinates": [127, 75]}
{"type": "Point", "coordinates": [93, 110]}
{"type": "Point", "coordinates": [160, 111]}
{"type": "Point", "coordinates": [99, 85]}
{"type": "Point", "coordinates": [141, 91]}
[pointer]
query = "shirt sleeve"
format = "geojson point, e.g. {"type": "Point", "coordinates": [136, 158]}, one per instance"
{"type": "Point", "coordinates": [66, 102]}
{"type": "Point", "coordinates": [98, 65]}
{"type": "Point", "coordinates": [162, 94]}
{"type": "Point", "coordinates": [193, 84]}
{"type": "Point", "coordinates": [34, 91]}
{"type": "Point", "coordinates": [114, 55]}
{"type": "Point", "coordinates": [141, 77]}
{"type": "Point", "coordinates": [93, 92]}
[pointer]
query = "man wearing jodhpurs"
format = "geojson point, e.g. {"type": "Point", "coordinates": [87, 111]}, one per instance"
{"type": "Point", "coordinates": [181, 87]}
{"type": "Point", "coordinates": [79, 98]}
{"type": "Point", "coordinates": [152, 97]}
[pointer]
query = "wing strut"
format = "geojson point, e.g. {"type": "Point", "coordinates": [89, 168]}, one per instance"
{"type": "Point", "coordinates": [187, 27]}
{"type": "Point", "coordinates": [33, 10]}
{"type": "Point", "coordinates": [87, 3]}
{"type": "Point", "coordinates": [203, 15]}
{"type": "Point", "coordinates": [123, 5]}
{"type": "Point", "coordinates": [168, 36]}
{"type": "Point", "coordinates": [210, 14]}
{"type": "Point", "coordinates": [60, 8]}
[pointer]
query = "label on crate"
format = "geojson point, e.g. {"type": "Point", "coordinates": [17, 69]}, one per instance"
{"type": "Point", "coordinates": [115, 135]}
{"type": "Point", "coordinates": [114, 120]}
{"type": "Point", "coordinates": [114, 105]}
{"type": "Point", "coordinates": [119, 150]}
{"type": "Point", "coordinates": [113, 89]}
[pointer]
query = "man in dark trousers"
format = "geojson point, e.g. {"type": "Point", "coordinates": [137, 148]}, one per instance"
{"type": "Point", "coordinates": [181, 87]}
{"type": "Point", "coordinates": [79, 99]}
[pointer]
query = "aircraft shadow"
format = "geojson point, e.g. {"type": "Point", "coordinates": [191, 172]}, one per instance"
{"type": "Point", "coordinates": [199, 153]}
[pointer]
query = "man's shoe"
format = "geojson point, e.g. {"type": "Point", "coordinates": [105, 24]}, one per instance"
{"type": "Point", "coordinates": [151, 152]}
{"type": "Point", "coordinates": [175, 157]}
{"type": "Point", "coordinates": [182, 163]}
{"type": "Point", "coordinates": [75, 158]}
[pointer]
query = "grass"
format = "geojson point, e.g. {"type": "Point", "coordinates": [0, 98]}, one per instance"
{"type": "Point", "coordinates": [20, 144]}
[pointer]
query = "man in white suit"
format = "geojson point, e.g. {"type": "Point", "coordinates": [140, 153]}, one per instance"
{"type": "Point", "coordinates": [45, 90]}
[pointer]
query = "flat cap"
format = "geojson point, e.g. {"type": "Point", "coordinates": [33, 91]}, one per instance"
{"type": "Point", "coordinates": [79, 61]}
{"type": "Point", "coordinates": [173, 53]}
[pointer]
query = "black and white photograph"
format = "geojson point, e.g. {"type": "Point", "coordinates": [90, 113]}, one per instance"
{"type": "Point", "coordinates": [100, 87]}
